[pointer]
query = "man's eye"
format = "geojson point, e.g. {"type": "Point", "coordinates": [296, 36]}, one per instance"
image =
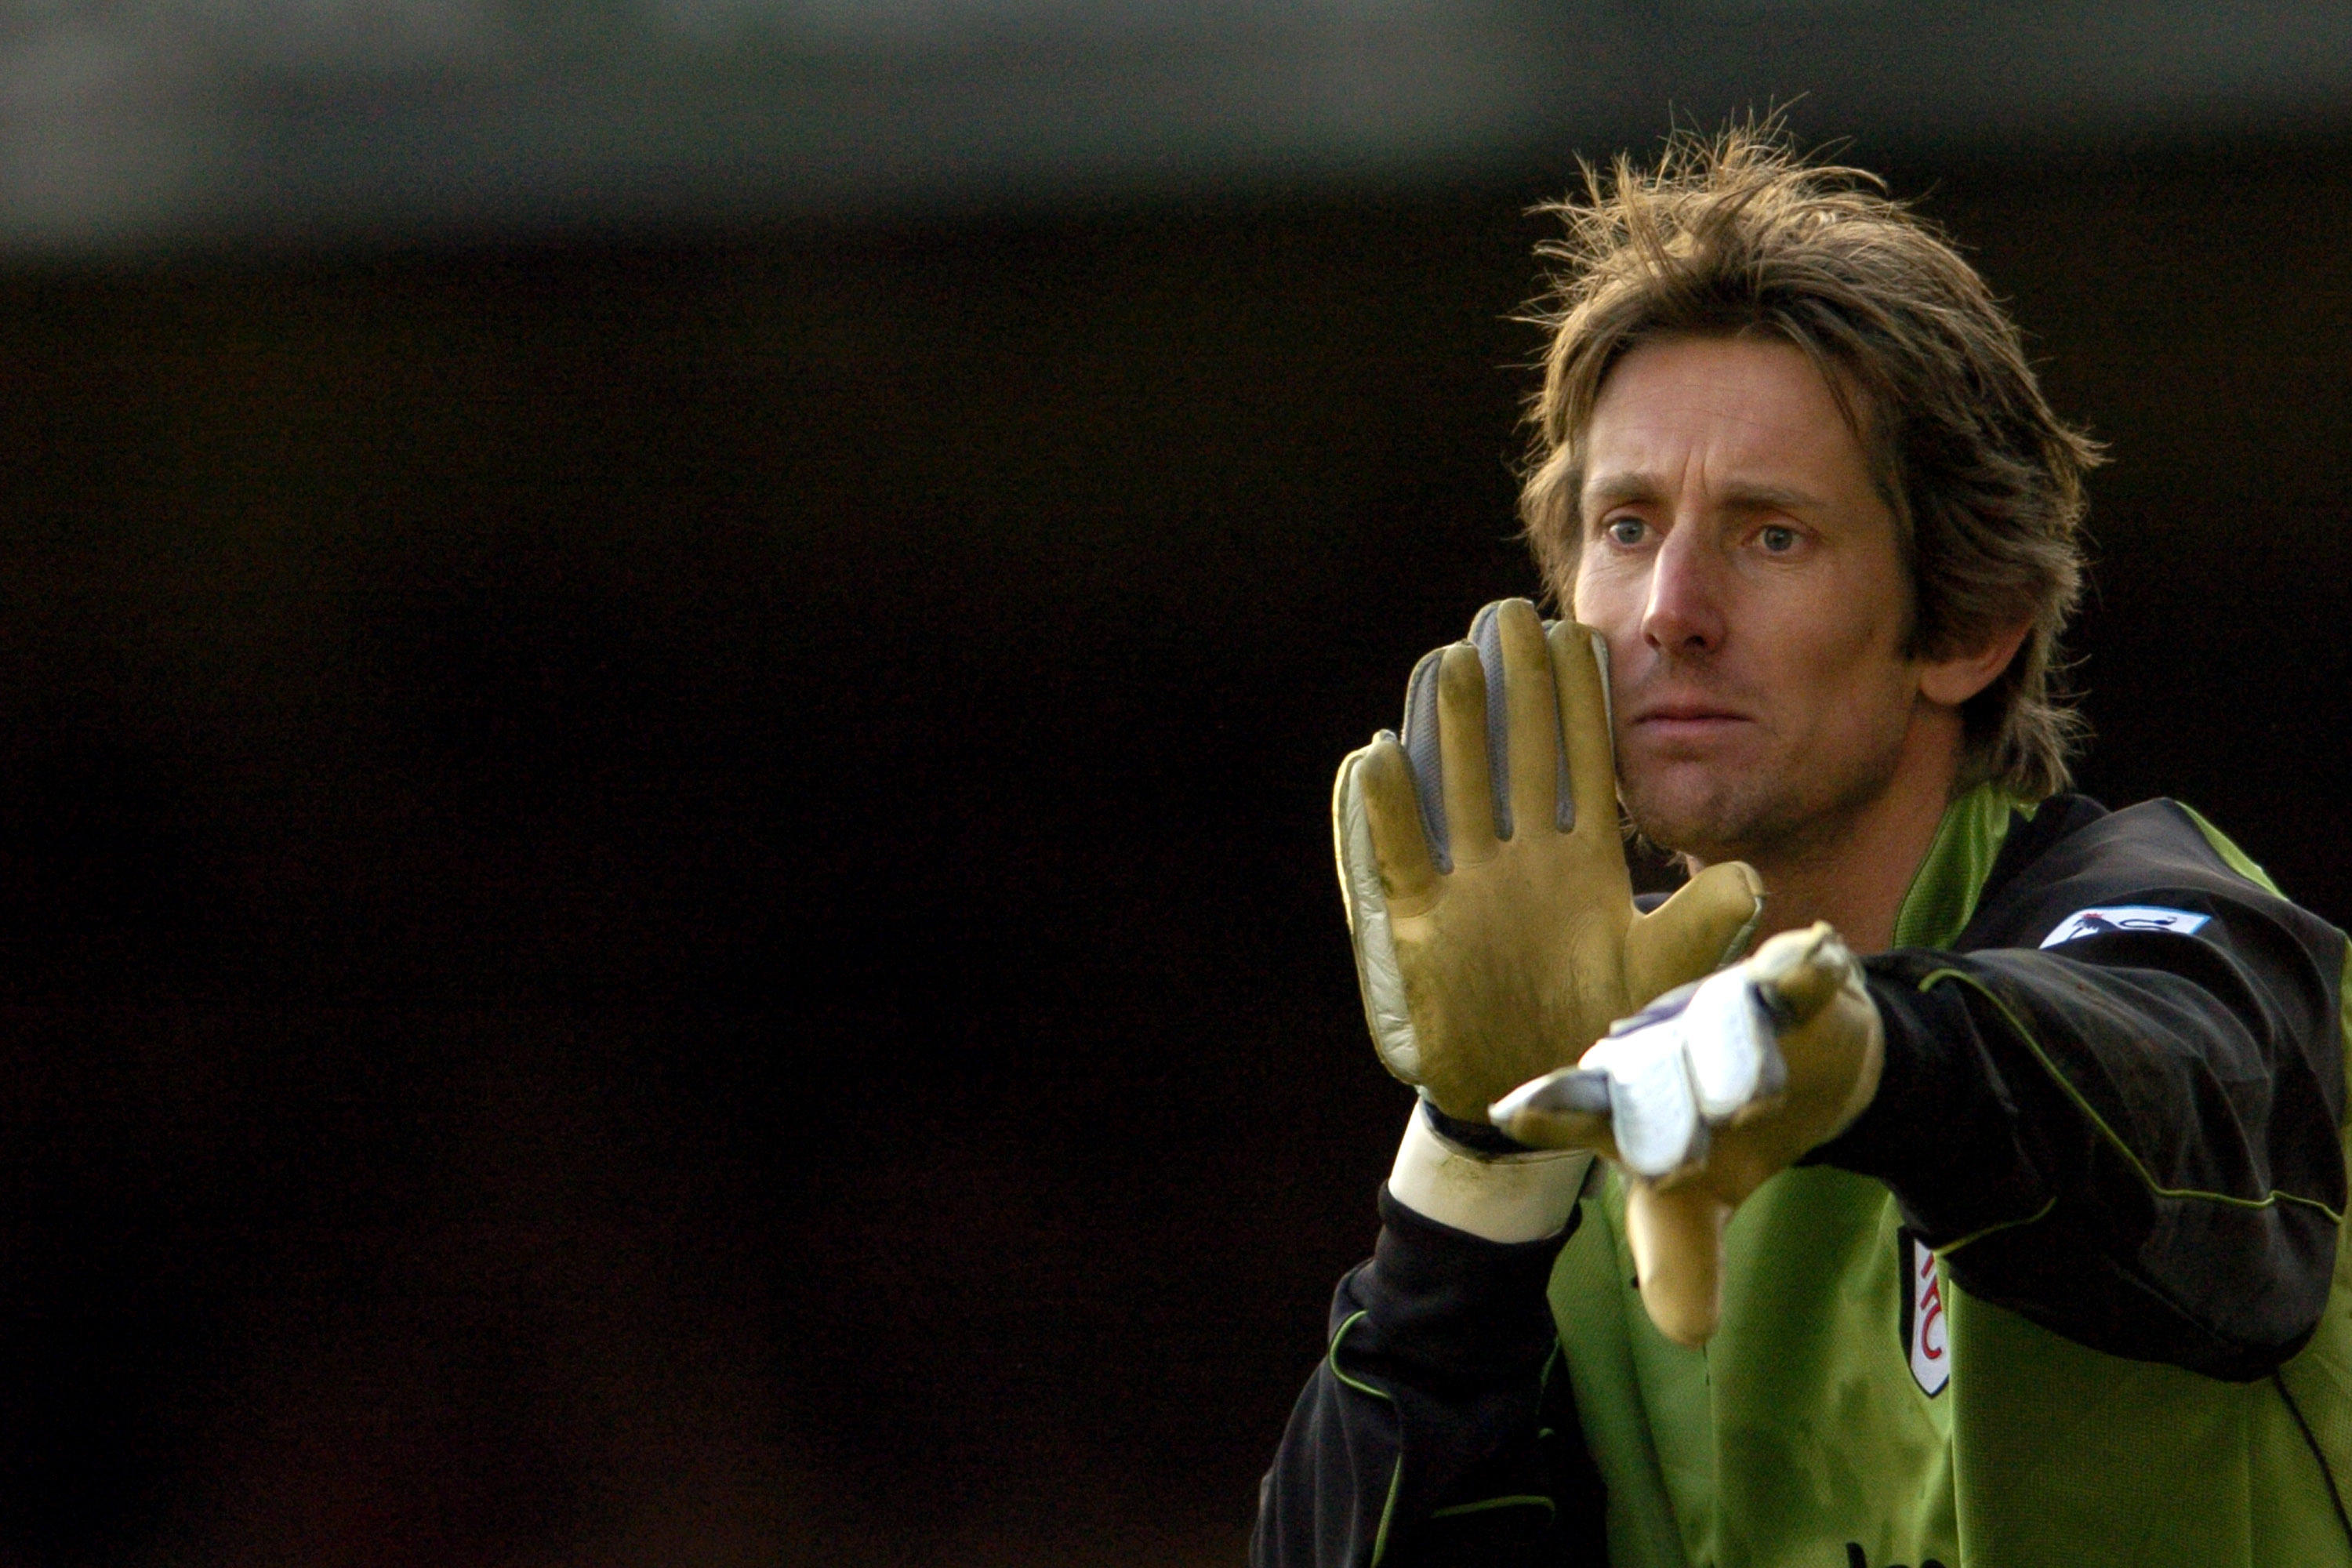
{"type": "Point", "coordinates": [1625, 529]}
{"type": "Point", "coordinates": [1778, 540]}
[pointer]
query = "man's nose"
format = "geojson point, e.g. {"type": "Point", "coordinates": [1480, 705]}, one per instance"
{"type": "Point", "coordinates": [1684, 610]}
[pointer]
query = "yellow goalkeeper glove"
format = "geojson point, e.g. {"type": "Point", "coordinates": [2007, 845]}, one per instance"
{"type": "Point", "coordinates": [1485, 875]}
{"type": "Point", "coordinates": [1706, 1096]}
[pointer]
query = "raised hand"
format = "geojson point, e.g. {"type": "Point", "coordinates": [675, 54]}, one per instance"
{"type": "Point", "coordinates": [1485, 873]}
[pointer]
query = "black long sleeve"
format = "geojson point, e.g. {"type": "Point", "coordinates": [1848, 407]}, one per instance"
{"type": "Point", "coordinates": [1438, 1428]}
{"type": "Point", "coordinates": [2130, 1137]}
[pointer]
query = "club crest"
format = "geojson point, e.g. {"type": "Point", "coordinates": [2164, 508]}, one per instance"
{"type": "Point", "coordinates": [1927, 1339]}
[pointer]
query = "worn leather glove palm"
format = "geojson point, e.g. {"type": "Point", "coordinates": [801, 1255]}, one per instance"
{"type": "Point", "coordinates": [1484, 876]}
{"type": "Point", "coordinates": [1706, 1096]}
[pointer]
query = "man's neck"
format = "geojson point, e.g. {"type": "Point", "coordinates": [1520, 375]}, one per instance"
{"type": "Point", "coordinates": [1855, 875]}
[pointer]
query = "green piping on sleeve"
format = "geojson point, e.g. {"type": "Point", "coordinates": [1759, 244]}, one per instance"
{"type": "Point", "coordinates": [1529, 1501]}
{"type": "Point", "coordinates": [1388, 1513]}
{"type": "Point", "coordinates": [1331, 1357]}
{"type": "Point", "coordinates": [1396, 1470]}
{"type": "Point", "coordinates": [2099, 1123]}
{"type": "Point", "coordinates": [2036, 1216]}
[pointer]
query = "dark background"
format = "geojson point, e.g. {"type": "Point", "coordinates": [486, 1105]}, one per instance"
{"type": "Point", "coordinates": [665, 893]}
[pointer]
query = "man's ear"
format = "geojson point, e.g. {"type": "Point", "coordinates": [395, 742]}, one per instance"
{"type": "Point", "coordinates": [1952, 681]}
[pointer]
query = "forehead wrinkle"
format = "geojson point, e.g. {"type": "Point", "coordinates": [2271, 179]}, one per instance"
{"type": "Point", "coordinates": [1743, 497]}
{"type": "Point", "coordinates": [1624, 486]}
{"type": "Point", "coordinates": [1735, 495]}
{"type": "Point", "coordinates": [1718, 418]}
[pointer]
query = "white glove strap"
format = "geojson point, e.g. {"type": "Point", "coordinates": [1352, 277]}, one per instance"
{"type": "Point", "coordinates": [1513, 1197]}
{"type": "Point", "coordinates": [1686, 1068]}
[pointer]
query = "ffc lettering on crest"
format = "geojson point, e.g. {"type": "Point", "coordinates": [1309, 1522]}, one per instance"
{"type": "Point", "coordinates": [1926, 1336]}
{"type": "Point", "coordinates": [2125, 917]}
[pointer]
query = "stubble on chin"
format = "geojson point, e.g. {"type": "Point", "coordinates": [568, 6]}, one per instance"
{"type": "Point", "coordinates": [1761, 814]}
{"type": "Point", "coordinates": [1704, 825]}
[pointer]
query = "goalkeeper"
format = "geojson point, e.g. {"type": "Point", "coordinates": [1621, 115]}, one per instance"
{"type": "Point", "coordinates": [1951, 1172]}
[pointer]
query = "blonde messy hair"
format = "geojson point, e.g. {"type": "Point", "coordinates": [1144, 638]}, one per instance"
{"type": "Point", "coordinates": [1737, 235]}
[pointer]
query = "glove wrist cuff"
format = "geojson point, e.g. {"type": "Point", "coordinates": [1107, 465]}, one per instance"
{"type": "Point", "coordinates": [1482, 1138]}
{"type": "Point", "coordinates": [1525, 1196]}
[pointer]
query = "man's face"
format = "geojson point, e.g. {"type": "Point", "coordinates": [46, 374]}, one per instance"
{"type": "Point", "coordinates": [1747, 577]}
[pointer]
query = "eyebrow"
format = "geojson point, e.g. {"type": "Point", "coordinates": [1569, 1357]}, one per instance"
{"type": "Point", "coordinates": [1611, 490]}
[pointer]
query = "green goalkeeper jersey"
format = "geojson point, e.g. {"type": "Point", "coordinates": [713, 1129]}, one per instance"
{"type": "Point", "coordinates": [2068, 1292]}
{"type": "Point", "coordinates": [1862, 1405]}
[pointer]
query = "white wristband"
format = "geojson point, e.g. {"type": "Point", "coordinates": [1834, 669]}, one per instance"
{"type": "Point", "coordinates": [1511, 1198]}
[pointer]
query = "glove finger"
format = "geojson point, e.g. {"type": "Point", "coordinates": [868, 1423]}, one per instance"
{"type": "Point", "coordinates": [1382, 779]}
{"type": "Point", "coordinates": [1535, 788]}
{"type": "Point", "coordinates": [1705, 925]}
{"type": "Point", "coordinates": [1423, 753]}
{"type": "Point", "coordinates": [1487, 637]}
{"type": "Point", "coordinates": [1800, 971]}
{"type": "Point", "coordinates": [1676, 1239]}
{"type": "Point", "coordinates": [1564, 1109]}
{"type": "Point", "coordinates": [1468, 783]}
{"type": "Point", "coordinates": [1387, 1012]}
{"type": "Point", "coordinates": [1581, 680]}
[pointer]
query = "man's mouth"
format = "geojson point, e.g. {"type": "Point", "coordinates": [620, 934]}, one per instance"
{"type": "Point", "coordinates": [1685, 721]}
{"type": "Point", "coordinates": [1671, 713]}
